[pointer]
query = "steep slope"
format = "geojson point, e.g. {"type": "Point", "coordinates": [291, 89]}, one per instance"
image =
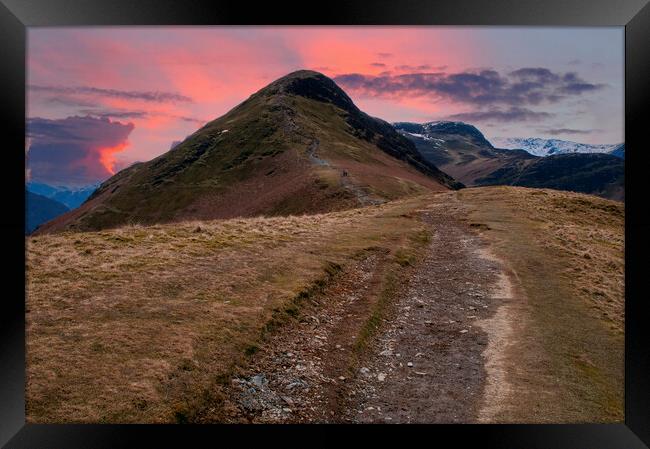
{"type": "Point", "coordinates": [299, 145]}
{"type": "Point", "coordinates": [39, 209]}
{"type": "Point", "coordinates": [463, 152]}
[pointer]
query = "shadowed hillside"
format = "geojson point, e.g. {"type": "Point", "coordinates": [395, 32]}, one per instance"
{"type": "Point", "coordinates": [462, 151]}
{"type": "Point", "coordinates": [40, 209]}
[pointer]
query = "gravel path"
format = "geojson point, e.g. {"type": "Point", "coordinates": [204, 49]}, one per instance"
{"type": "Point", "coordinates": [428, 366]}
{"type": "Point", "coordinates": [428, 363]}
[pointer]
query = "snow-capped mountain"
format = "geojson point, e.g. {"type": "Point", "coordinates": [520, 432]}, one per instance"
{"type": "Point", "coordinates": [435, 131]}
{"type": "Point", "coordinates": [548, 147]}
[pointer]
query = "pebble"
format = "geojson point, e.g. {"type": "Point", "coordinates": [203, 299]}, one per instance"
{"type": "Point", "coordinates": [381, 377]}
{"type": "Point", "coordinates": [364, 371]}
{"type": "Point", "coordinates": [341, 378]}
{"type": "Point", "coordinates": [463, 331]}
{"type": "Point", "coordinates": [258, 380]}
{"type": "Point", "coordinates": [419, 354]}
{"type": "Point", "coordinates": [409, 364]}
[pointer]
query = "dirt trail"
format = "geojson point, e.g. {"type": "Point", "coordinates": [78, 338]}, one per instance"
{"type": "Point", "coordinates": [429, 364]}
{"type": "Point", "coordinates": [437, 358]}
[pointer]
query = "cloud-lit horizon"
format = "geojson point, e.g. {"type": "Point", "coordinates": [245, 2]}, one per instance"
{"type": "Point", "coordinates": [102, 98]}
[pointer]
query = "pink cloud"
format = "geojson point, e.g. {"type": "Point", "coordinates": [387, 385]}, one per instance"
{"type": "Point", "coordinates": [219, 67]}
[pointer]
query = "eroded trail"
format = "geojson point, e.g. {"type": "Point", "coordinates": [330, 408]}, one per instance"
{"type": "Point", "coordinates": [430, 363]}
{"type": "Point", "coordinates": [438, 356]}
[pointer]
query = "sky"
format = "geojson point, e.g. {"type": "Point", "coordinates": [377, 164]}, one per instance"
{"type": "Point", "coordinates": [102, 98]}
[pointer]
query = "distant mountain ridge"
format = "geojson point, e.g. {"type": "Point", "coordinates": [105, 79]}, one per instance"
{"type": "Point", "coordinates": [619, 151]}
{"type": "Point", "coordinates": [463, 152]}
{"type": "Point", "coordinates": [548, 147]}
{"type": "Point", "coordinates": [72, 197]}
{"type": "Point", "coordinates": [40, 209]}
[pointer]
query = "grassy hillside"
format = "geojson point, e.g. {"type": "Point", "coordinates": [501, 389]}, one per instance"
{"type": "Point", "coordinates": [299, 145]}
{"type": "Point", "coordinates": [596, 174]}
{"type": "Point", "coordinates": [149, 323]}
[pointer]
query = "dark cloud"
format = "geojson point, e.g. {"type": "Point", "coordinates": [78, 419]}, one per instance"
{"type": "Point", "coordinates": [188, 119]}
{"type": "Point", "coordinates": [124, 114]}
{"type": "Point", "coordinates": [70, 101]}
{"type": "Point", "coordinates": [74, 150]}
{"type": "Point", "coordinates": [513, 114]}
{"type": "Point", "coordinates": [378, 64]}
{"type": "Point", "coordinates": [526, 86]}
{"type": "Point", "coordinates": [414, 68]}
{"type": "Point", "coordinates": [560, 131]}
{"type": "Point", "coordinates": [384, 55]}
{"type": "Point", "coordinates": [153, 96]}
{"type": "Point", "coordinates": [114, 114]}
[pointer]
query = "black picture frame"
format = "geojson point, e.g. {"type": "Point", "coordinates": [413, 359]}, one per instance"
{"type": "Point", "coordinates": [16, 15]}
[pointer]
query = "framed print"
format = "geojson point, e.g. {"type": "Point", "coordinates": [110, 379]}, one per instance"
{"type": "Point", "coordinates": [426, 217]}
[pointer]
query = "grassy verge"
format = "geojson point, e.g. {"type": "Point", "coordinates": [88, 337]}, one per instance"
{"type": "Point", "coordinates": [394, 276]}
{"type": "Point", "coordinates": [566, 252]}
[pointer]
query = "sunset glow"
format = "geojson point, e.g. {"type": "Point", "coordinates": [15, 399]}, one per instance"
{"type": "Point", "coordinates": [157, 85]}
{"type": "Point", "coordinates": [107, 156]}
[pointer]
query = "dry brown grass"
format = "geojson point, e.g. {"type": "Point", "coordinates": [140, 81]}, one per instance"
{"type": "Point", "coordinates": [583, 231]}
{"type": "Point", "coordinates": [145, 324]}
{"type": "Point", "coordinates": [141, 324]}
{"type": "Point", "coordinates": [565, 250]}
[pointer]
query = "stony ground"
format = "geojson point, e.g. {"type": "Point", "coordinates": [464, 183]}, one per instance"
{"type": "Point", "coordinates": [427, 366]}
{"type": "Point", "coordinates": [426, 363]}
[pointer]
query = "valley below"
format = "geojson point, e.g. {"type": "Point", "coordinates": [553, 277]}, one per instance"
{"type": "Point", "coordinates": [487, 304]}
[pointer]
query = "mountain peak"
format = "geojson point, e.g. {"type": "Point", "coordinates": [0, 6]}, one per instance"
{"type": "Point", "coordinates": [456, 128]}
{"type": "Point", "coordinates": [442, 127]}
{"type": "Point", "coordinates": [299, 145]}
{"type": "Point", "coordinates": [312, 85]}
